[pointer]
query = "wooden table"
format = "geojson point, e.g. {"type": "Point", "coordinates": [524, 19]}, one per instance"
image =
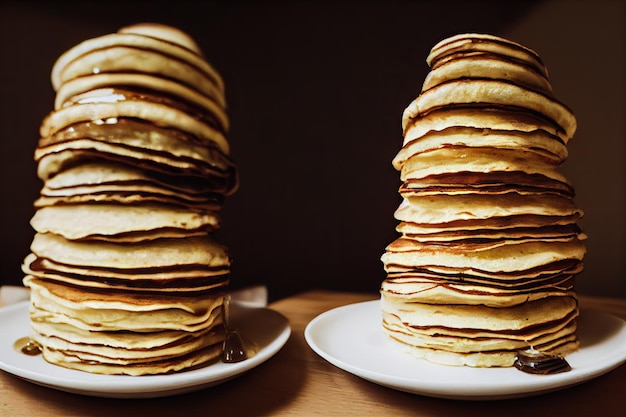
{"type": "Point", "coordinates": [297, 382]}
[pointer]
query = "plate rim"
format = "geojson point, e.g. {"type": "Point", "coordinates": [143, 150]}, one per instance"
{"type": "Point", "coordinates": [442, 388]}
{"type": "Point", "coordinates": [126, 386]}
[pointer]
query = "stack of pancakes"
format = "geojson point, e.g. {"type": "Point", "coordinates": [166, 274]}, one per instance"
{"type": "Point", "coordinates": [490, 243]}
{"type": "Point", "coordinates": [124, 271]}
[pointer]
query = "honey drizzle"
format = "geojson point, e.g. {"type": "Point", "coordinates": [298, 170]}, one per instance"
{"type": "Point", "coordinates": [233, 349]}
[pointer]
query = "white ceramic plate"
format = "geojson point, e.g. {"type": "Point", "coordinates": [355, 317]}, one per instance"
{"type": "Point", "coordinates": [268, 329]}
{"type": "Point", "coordinates": [351, 338]}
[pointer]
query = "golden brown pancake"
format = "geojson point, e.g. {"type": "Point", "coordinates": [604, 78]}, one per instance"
{"type": "Point", "coordinates": [154, 221]}
{"type": "Point", "coordinates": [472, 43]}
{"type": "Point", "coordinates": [147, 48]}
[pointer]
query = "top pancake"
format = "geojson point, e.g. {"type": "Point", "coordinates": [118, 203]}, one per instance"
{"type": "Point", "coordinates": [479, 42]}
{"type": "Point", "coordinates": [147, 48]}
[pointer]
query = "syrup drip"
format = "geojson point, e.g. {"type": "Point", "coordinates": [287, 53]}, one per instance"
{"type": "Point", "coordinates": [233, 348]}
{"type": "Point", "coordinates": [27, 346]}
{"type": "Point", "coordinates": [534, 362]}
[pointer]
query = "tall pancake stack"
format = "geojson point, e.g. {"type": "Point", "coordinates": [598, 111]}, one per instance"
{"type": "Point", "coordinates": [489, 243]}
{"type": "Point", "coordinates": [125, 275]}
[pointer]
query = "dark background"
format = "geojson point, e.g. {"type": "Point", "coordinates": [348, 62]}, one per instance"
{"type": "Point", "coordinates": [315, 92]}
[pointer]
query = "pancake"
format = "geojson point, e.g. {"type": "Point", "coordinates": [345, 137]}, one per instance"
{"type": "Point", "coordinates": [472, 43]}
{"type": "Point", "coordinates": [36, 265]}
{"type": "Point", "coordinates": [483, 160]}
{"type": "Point", "coordinates": [496, 257]}
{"type": "Point", "coordinates": [555, 274]}
{"type": "Point", "coordinates": [75, 221]}
{"type": "Point", "coordinates": [105, 174]}
{"type": "Point", "coordinates": [202, 250]}
{"type": "Point", "coordinates": [504, 222]}
{"type": "Point", "coordinates": [521, 321]}
{"type": "Point", "coordinates": [421, 234]}
{"type": "Point", "coordinates": [172, 177]}
{"type": "Point", "coordinates": [436, 290]}
{"type": "Point", "coordinates": [131, 342]}
{"type": "Point", "coordinates": [477, 183]}
{"type": "Point", "coordinates": [179, 55]}
{"type": "Point", "coordinates": [446, 208]}
{"type": "Point", "coordinates": [121, 152]}
{"type": "Point", "coordinates": [72, 360]}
